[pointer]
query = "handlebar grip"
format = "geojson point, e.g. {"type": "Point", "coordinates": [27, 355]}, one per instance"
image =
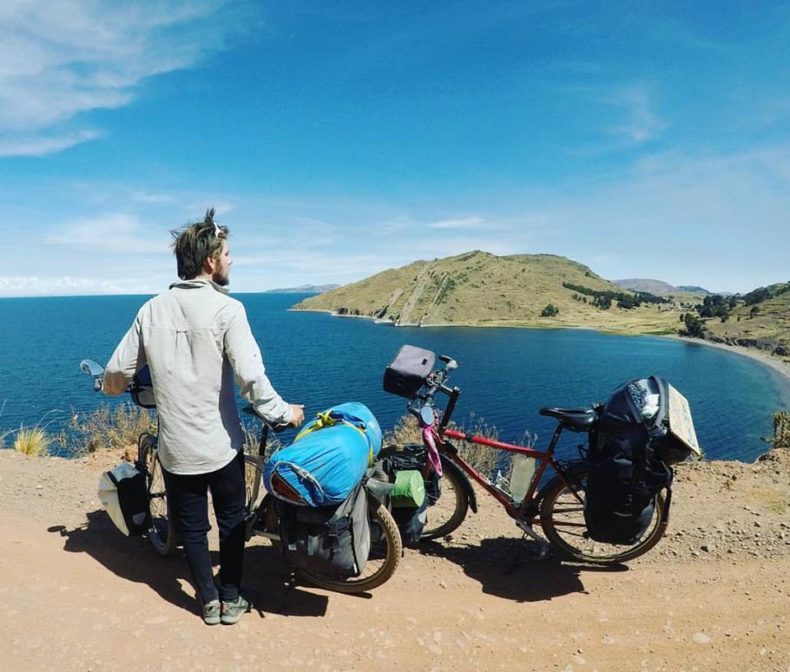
{"type": "Point", "coordinates": [249, 409]}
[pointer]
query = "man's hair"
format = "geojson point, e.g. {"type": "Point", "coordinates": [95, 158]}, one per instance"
{"type": "Point", "coordinates": [194, 242]}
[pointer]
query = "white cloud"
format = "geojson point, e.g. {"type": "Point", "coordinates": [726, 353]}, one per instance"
{"type": "Point", "coordinates": [640, 123]}
{"type": "Point", "coordinates": [473, 222]}
{"type": "Point", "coordinates": [40, 145]}
{"type": "Point", "coordinates": [116, 233]}
{"type": "Point", "coordinates": [60, 58]}
{"type": "Point", "coordinates": [67, 285]}
{"type": "Point", "coordinates": [718, 220]}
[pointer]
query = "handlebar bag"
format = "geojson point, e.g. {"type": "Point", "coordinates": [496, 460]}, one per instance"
{"type": "Point", "coordinates": [328, 458]}
{"type": "Point", "coordinates": [328, 539]}
{"type": "Point", "coordinates": [123, 494]}
{"type": "Point", "coordinates": [406, 373]}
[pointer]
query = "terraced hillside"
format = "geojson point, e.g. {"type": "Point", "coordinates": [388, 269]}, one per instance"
{"type": "Point", "coordinates": [760, 320]}
{"type": "Point", "coordinates": [478, 288]}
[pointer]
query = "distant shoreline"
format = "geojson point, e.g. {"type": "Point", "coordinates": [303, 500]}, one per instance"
{"type": "Point", "coordinates": [780, 366]}
{"type": "Point", "coordinates": [775, 363]}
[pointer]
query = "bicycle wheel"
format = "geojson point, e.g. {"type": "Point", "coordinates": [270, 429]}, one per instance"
{"type": "Point", "coordinates": [562, 520]}
{"type": "Point", "coordinates": [448, 510]}
{"type": "Point", "coordinates": [385, 554]}
{"type": "Point", "coordinates": [161, 530]}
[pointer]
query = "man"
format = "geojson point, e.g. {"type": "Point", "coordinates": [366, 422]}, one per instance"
{"type": "Point", "coordinates": [194, 338]}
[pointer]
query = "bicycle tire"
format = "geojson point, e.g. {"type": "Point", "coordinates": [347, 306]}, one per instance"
{"type": "Point", "coordinates": [253, 476]}
{"type": "Point", "coordinates": [450, 508]}
{"type": "Point", "coordinates": [161, 530]}
{"type": "Point", "coordinates": [562, 520]}
{"type": "Point", "coordinates": [382, 562]}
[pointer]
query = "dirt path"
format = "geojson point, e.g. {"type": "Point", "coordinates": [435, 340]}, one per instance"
{"type": "Point", "coordinates": [712, 596]}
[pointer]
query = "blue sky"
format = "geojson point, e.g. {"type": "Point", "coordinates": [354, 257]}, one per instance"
{"type": "Point", "coordinates": [338, 139]}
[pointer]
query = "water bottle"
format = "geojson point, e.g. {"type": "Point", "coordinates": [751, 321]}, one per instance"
{"type": "Point", "coordinates": [521, 476]}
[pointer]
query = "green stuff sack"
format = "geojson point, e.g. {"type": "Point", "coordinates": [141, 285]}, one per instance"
{"type": "Point", "coordinates": [408, 490]}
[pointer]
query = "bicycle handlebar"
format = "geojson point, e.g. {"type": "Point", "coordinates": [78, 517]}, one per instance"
{"type": "Point", "coordinates": [249, 409]}
{"type": "Point", "coordinates": [436, 381]}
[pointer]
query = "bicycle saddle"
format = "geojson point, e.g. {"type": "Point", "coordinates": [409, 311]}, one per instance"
{"type": "Point", "coordinates": [576, 419]}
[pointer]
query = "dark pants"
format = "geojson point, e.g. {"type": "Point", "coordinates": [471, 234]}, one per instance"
{"type": "Point", "coordinates": [188, 499]}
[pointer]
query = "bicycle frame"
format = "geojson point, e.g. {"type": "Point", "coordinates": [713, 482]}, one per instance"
{"type": "Point", "coordinates": [524, 510]}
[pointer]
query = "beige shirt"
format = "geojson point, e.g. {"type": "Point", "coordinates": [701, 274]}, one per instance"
{"type": "Point", "coordinates": [194, 338]}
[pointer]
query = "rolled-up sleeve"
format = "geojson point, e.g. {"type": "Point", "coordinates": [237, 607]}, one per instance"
{"type": "Point", "coordinates": [245, 358]}
{"type": "Point", "coordinates": [128, 358]}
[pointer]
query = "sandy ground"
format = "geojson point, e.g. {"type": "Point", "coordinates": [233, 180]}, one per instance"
{"type": "Point", "coordinates": [712, 596]}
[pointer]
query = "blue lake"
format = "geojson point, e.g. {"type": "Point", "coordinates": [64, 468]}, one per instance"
{"type": "Point", "coordinates": [506, 374]}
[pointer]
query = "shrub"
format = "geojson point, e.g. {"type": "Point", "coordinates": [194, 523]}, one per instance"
{"type": "Point", "coordinates": [549, 311]}
{"type": "Point", "coordinates": [111, 428]}
{"type": "Point", "coordinates": [781, 437]}
{"type": "Point", "coordinates": [31, 441]}
{"type": "Point", "coordinates": [486, 460]}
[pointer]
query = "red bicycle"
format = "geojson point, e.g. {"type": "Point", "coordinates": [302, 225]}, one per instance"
{"type": "Point", "coordinates": [554, 499]}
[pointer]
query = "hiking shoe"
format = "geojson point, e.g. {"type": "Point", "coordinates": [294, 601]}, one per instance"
{"type": "Point", "coordinates": [233, 611]}
{"type": "Point", "coordinates": [211, 612]}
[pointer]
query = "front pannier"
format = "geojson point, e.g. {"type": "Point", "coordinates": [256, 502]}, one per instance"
{"type": "Point", "coordinates": [406, 373]}
{"type": "Point", "coordinates": [123, 494]}
{"type": "Point", "coordinates": [411, 493]}
{"type": "Point", "coordinates": [331, 540]}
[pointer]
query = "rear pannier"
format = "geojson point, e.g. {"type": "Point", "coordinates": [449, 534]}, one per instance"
{"type": "Point", "coordinates": [328, 458]}
{"type": "Point", "coordinates": [643, 427]}
{"type": "Point", "coordinates": [649, 408]}
{"type": "Point", "coordinates": [328, 539]}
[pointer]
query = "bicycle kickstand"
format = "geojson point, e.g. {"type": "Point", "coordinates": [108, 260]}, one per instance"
{"type": "Point", "coordinates": [528, 531]}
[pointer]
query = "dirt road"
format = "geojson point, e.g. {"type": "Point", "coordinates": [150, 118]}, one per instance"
{"type": "Point", "coordinates": [712, 596]}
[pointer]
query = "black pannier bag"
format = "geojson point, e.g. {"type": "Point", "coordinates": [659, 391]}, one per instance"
{"type": "Point", "coordinates": [331, 540]}
{"type": "Point", "coordinates": [410, 520]}
{"type": "Point", "coordinates": [644, 426]}
{"type": "Point", "coordinates": [406, 373]}
{"type": "Point", "coordinates": [123, 493]}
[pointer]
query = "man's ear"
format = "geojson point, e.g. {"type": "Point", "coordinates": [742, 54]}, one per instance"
{"type": "Point", "coordinates": [209, 264]}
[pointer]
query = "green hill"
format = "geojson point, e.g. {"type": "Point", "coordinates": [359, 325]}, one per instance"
{"type": "Point", "coordinates": [759, 319]}
{"type": "Point", "coordinates": [481, 289]}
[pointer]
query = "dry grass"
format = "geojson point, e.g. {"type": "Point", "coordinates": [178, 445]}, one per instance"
{"type": "Point", "coordinates": [484, 290]}
{"type": "Point", "coordinates": [406, 430]}
{"type": "Point", "coordinates": [487, 461]}
{"type": "Point", "coordinates": [31, 441]}
{"type": "Point", "coordinates": [111, 429]}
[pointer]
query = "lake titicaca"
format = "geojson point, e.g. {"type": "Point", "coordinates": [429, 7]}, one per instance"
{"type": "Point", "coordinates": [505, 375]}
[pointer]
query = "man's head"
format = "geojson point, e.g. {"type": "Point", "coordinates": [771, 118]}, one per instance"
{"type": "Point", "coordinates": [201, 248]}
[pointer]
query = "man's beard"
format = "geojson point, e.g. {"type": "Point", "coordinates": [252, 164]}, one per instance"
{"type": "Point", "coordinates": [221, 280]}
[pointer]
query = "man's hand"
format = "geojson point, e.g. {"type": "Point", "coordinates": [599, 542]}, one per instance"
{"type": "Point", "coordinates": [297, 411]}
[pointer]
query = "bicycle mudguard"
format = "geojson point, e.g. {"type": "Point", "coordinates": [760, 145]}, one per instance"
{"type": "Point", "coordinates": [449, 465]}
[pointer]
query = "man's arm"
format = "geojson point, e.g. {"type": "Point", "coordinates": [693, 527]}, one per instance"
{"type": "Point", "coordinates": [245, 358]}
{"type": "Point", "coordinates": [128, 359]}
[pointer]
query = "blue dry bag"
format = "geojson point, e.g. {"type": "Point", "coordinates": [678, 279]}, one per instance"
{"type": "Point", "coordinates": [328, 458]}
